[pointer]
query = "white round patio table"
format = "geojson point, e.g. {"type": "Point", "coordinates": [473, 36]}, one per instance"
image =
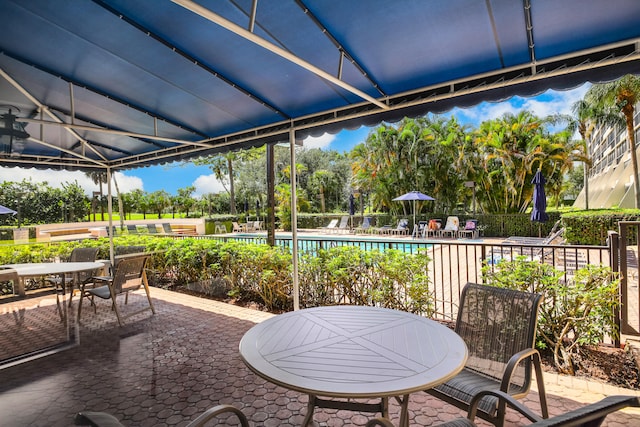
{"type": "Point", "coordinates": [41, 269]}
{"type": "Point", "coordinates": [353, 352]}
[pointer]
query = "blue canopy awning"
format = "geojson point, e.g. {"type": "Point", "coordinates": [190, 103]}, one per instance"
{"type": "Point", "coordinates": [123, 84]}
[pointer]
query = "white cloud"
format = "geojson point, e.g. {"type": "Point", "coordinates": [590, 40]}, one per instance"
{"type": "Point", "coordinates": [128, 183]}
{"type": "Point", "coordinates": [484, 111]}
{"type": "Point", "coordinates": [207, 184]}
{"type": "Point", "coordinates": [558, 102]}
{"type": "Point", "coordinates": [56, 179]}
{"type": "Point", "coordinates": [549, 103]}
{"type": "Point", "coordinates": [319, 141]}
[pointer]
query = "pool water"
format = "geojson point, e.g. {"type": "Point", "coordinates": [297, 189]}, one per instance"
{"type": "Point", "coordinates": [313, 243]}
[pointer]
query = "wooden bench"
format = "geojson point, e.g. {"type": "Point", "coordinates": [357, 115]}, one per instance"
{"type": "Point", "coordinates": [58, 232]}
{"type": "Point", "coordinates": [189, 229]}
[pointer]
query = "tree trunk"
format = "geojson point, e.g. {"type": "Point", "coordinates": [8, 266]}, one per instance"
{"type": "Point", "coordinates": [101, 204]}
{"type": "Point", "coordinates": [232, 193]}
{"type": "Point", "coordinates": [322, 208]}
{"type": "Point", "coordinates": [120, 207]}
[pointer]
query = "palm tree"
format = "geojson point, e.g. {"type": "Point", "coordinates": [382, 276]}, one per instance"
{"type": "Point", "coordinates": [583, 113]}
{"type": "Point", "coordinates": [98, 178]}
{"type": "Point", "coordinates": [320, 180]}
{"type": "Point", "coordinates": [585, 117]}
{"type": "Point", "coordinates": [513, 148]}
{"type": "Point", "coordinates": [120, 204]}
{"type": "Point", "coordinates": [222, 167]}
{"type": "Point", "coordinates": [623, 94]}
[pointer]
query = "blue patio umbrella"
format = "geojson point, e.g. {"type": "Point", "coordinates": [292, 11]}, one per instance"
{"type": "Point", "coordinates": [539, 212]}
{"type": "Point", "coordinates": [413, 196]}
{"type": "Point", "coordinates": [4, 211]}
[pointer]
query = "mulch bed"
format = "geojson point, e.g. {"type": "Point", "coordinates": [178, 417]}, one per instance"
{"type": "Point", "coordinates": [614, 366]}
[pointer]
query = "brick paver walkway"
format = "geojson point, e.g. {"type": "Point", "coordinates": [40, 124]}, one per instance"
{"type": "Point", "coordinates": [164, 370]}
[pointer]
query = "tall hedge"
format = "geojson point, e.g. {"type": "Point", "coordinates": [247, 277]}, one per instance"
{"type": "Point", "coordinates": [591, 227]}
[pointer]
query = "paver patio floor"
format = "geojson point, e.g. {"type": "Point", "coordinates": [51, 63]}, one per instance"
{"type": "Point", "coordinates": [165, 369]}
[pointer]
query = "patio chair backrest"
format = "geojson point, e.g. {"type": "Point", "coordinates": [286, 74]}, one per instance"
{"type": "Point", "coordinates": [11, 275]}
{"type": "Point", "coordinates": [366, 223]}
{"type": "Point", "coordinates": [83, 255]}
{"type": "Point", "coordinates": [332, 224]}
{"type": "Point", "coordinates": [128, 273]}
{"type": "Point", "coordinates": [471, 224]}
{"type": "Point", "coordinates": [453, 223]}
{"type": "Point", "coordinates": [153, 229]}
{"type": "Point", "coordinates": [167, 227]}
{"type": "Point", "coordinates": [495, 324]}
{"type": "Point", "coordinates": [126, 250]}
{"type": "Point", "coordinates": [419, 228]}
{"type": "Point", "coordinates": [111, 231]}
{"type": "Point", "coordinates": [344, 222]}
{"type": "Point", "coordinates": [403, 224]}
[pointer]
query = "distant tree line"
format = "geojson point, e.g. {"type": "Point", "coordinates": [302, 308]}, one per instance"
{"type": "Point", "coordinates": [435, 155]}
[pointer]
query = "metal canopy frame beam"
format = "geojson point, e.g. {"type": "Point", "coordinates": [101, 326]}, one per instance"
{"type": "Point", "coordinates": [340, 48]}
{"type": "Point", "coordinates": [259, 41]}
{"type": "Point", "coordinates": [99, 92]}
{"type": "Point", "coordinates": [43, 108]}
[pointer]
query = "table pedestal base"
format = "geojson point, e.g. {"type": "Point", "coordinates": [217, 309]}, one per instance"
{"type": "Point", "coordinates": [382, 407]}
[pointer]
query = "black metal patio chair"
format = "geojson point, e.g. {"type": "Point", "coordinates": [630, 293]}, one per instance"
{"type": "Point", "coordinates": [587, 416]}
{"type": "Point", "coordinates": [103, 419]}
{"type": "Point", "coordinates": [128, 275]}
{"type": "Point", "coordinates": [80, 254]}
{"type": "Point", "coordinates": [499, 327]}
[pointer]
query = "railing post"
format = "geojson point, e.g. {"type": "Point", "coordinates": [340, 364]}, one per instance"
{"type": "Point", "coordinates": [619, 263]}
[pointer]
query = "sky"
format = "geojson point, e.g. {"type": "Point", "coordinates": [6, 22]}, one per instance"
{"type": "Point", "coordinates": [172, 177]}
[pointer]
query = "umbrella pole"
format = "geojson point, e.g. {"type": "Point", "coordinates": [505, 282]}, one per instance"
{"type": "Point", "coordinates": [414, 216]}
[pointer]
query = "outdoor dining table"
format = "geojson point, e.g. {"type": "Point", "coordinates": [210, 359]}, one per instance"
{"type": "Point", "coordinates": [68, 329]}
{"type": "Point", "coordinates": [43, 269]}
{"type": "Point", "coordinates": [353, 352]}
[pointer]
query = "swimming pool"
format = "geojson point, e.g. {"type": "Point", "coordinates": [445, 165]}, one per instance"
{"type": "Point", "coordinates": [311, 244]}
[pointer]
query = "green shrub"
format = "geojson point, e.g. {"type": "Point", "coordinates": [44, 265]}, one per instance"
{"type": "Point", "coordinates": [591, 227]}
{"type": "Point", "coordinates": [350, 275]}
{"type": "Point", "coordinates": [574, 313]}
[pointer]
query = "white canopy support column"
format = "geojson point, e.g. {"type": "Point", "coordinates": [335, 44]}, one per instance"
{"type": "Point", "coordinates": [294, 220]}
{"type": "Point", "coordinates": [110, 212]}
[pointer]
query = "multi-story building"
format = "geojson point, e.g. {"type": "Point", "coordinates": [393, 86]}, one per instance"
{"type": "Point", "coordinates": [611, 173]}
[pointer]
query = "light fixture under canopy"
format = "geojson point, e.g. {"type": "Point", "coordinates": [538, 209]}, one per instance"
{"type": "Point", "coordinates": [12, 132]}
